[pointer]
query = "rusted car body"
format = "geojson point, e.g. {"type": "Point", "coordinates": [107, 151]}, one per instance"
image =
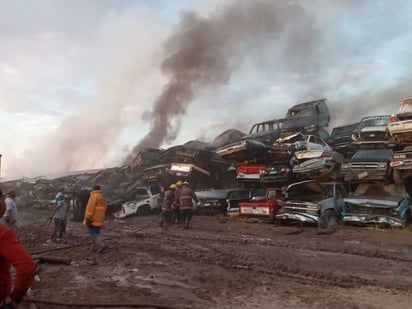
{"type": "Point", "coordinates": [341, 139]}
{"type": "Point", "coordinates": [400, 124]}
{"type": "Point", "coordinates": [368, 165]}
{"type": "Point", "coordinates": [373, 131]}
{"type": "Point", "coordinates": [312, 202]}
{"type": "Point", "coordinates": [265, 208]}
{"type": "Point", "coordinates": [402, 164]}
{"type": "Point", "coordinates": [245, 150]}
{"type": "Point", "coordinates": [377, 203]}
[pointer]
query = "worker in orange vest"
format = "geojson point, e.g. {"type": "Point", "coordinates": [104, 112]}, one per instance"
{"type": "Point", "coordinates": [94, 217]}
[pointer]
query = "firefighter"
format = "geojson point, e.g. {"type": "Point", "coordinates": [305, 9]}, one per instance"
{"type": "Point", "coordinates": [176, 209]}
{"type": "Point", "coordinates": [167, 206]}
{"type": "Point", "coordinates": [186, 197]}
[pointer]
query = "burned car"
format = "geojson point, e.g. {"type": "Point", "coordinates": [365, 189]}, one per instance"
{"type": "Point", "coordinates": [284, 148]}
{"type": "Point", "coordinates": [228, 137]}
{"type": "Point", "coordinates": [341, 139]}
{"type": "Point", "coordinates": [402, 164]}
{"type": "Point", "coordinates": [317, 160]}
{"type": "Point", "coordinates": [313, 202]}
{"type": "Point", "coordinates": [372, 132]}
{"type": "Point", "coordinates": [368, 165]}
{"type": "Point", "coordinates": [400, 124]}
{"type": "Point", "coordinates": [377, 203]}
{"type": "Point", "coordinates": [245, 150]}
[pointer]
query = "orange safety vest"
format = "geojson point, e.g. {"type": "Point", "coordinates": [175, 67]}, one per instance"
{"type": "Point", "coordinates": [96, 209]}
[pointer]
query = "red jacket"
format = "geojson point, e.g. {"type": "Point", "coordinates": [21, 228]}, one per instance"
{"type": "Point", "coordinates": [13, 253]}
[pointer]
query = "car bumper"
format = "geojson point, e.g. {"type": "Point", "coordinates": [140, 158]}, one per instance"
{"type": "Point", "coordinates": [302, 217]}
{"type": "Point", "coordinates": [373, 219]}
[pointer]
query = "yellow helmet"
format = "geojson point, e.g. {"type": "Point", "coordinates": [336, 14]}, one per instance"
{"type": "Point", "coordinates": [179, 183]}
{"type": "Point", "coordinates": [186, 183]}
{"type": "Point", "coordinates": [173, 186]}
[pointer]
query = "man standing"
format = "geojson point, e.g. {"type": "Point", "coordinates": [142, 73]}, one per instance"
{"type": "Point", "coordinates": [186, 197]}
{"type": "Point", "coordinates": [12, 253]}
{"type": "Point", "coordinates": [10, 216]}
{"type": "Point", "coordinates": [94, 217]}
{"type": "Point", "coordinates": [60, 216]}
{"type": "Point", "coordinates": [168, 200]}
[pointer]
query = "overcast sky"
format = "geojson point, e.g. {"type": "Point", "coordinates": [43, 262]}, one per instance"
{"type": "Point", "coordinates": [82, 83]}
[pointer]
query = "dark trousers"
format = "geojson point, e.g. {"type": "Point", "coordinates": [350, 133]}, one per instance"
{"type": "Point", "coordinates": [95, 235]}
{"type": "Point", "coordinates": [165, 217]}
{"type": "Point", "coordinates": [58, 229]}
{"type": "Point", "coordinates": [186, 216]}
{"type": "Point", "coordinates": [177, 214]}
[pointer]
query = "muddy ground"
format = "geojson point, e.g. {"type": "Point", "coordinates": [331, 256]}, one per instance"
{"type": "Point", "coordinates": [222, 262]}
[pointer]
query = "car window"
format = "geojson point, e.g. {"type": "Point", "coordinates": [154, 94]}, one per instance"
{"type": "Point", "coordinates": [374, 122]}
{"type": "Point", "coordinates": [373, 153]}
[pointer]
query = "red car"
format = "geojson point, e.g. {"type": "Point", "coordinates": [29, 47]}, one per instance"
{"type": "Point", "coordinates": [266, 207]}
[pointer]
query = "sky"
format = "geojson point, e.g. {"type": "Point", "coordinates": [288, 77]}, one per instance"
{"type": "Point", "coordinates": [87, 84]}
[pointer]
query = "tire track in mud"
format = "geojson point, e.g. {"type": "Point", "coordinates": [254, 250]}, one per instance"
{"type": "Point", "coordinates": [232, 259]}
{"type": "Point", "coordinates": [377, 254]}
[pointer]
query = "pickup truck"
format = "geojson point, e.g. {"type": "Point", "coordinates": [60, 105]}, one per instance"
{"type": "Point", "coordinates": [148, 200]}
{"type": "Point", "coordinates": [265, 207]}
{"type": "Point", "coordinates": [313, 202]}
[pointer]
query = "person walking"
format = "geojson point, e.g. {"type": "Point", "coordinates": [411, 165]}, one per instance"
{"type": "Point", "coordinates": [168, 200]}
{"type": "Point", "coordinates": [10, 216]}
{"type": "Point", "coordinates": [12, 253]}
{"type": "Point", "coordinates": [176, 208]}
{"type": "Point", "coordinates": [186, 197]}
{"type": "Point", "coordinates": [94, 217]}
{"type": "Point", "coordinates": [60, 216]}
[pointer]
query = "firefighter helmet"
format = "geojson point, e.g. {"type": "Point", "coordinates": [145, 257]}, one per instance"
{"type": "Point", "coordinates": [186, 182]}
{"type": "Point", "coordinates": [173, 186]}
{"type": "Point", "coordinates": [179, 183]}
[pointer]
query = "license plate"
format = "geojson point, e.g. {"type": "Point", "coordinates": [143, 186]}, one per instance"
{"type": "Point", "coordinates": [363, 175]}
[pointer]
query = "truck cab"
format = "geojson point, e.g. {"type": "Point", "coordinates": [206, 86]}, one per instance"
{"type": "Point", "coordinates": [265, 208]}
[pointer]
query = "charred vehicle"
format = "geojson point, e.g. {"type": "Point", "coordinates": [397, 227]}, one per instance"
{"type": "Point", "coordinates": [277, 175]}
{"type": "Point", "coordinates": [266, 207]}
{"type": "Point", "coordinates": [146, 157]}
{"type": "Point", "coordinates": [219, 201]}
{"type": "Point", "coordinates": [377, 203]}
{"type": "Point", "coordinates": [228, 137]}
{"type": "Point", "coordinates": [402, 164]}
{"type": "Point", "coordinates": [372, 132]}
{"type": "Point", "coordinates": [341, 139]}
{"type": "Point", "coordinates": [400, 124]}
{"type": "Point", "coordinates": [283, 149]}
{"type": "Point", "coordinates": [368, 165]}
{"type": "Point", "coordinates": [307, 117]}
{"type": "Point", "coordinates": [245, 150]}
{"type": "Point", "coordinates": [317, 159]}
{"type": "Point", "coordinates": [313, 202]}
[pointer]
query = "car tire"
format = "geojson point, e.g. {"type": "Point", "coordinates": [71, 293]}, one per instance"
{"type": "Point", "coordinates": [328, 222]}
{"type": "Point", "coordinates": [143, 210]}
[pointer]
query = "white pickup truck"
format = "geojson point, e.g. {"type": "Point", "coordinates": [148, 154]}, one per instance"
{"type": "Point", "coordinates": [148, 200]}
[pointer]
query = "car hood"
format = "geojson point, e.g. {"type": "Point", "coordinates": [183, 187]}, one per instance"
{"type": "Point", "coordinates": [374, 201]}
{"type": "Point", "coordinates": [374, 129]}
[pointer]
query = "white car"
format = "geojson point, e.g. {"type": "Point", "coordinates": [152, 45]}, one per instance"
{"type": "Point", "coordinates": [400, 124]}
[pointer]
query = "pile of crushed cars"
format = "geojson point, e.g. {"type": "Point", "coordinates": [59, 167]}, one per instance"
{"type": "Point", "coordinates": [285, 170]}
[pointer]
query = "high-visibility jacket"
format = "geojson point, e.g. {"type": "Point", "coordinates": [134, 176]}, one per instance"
{"type": "Point", "coordinates": [13, 253]}
{"type": "Point", "coordinates": [186, 197]}
{"type": "Point", "coordinates": [95, 209]}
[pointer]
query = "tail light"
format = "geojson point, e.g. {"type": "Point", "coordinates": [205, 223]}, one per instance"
{"type": "Point", "coordinates": [326, 154]}
{"type": "Point", "coordinates": [393, 118]}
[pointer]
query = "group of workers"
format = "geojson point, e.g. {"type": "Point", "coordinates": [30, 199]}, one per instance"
{"type": "Point", "coordinates": [178, 204]}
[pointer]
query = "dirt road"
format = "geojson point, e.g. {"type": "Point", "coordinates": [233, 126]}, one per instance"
{"type": "Point", "coordinates": [227, 263]}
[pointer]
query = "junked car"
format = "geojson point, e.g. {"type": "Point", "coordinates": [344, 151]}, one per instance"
{"type": "Point", "coordinates": [265, 208]}
{"type": "Point", "coordinates": [317, 160]}
{"type": "Point", "coordinates": [341, 139]}
{"type": "Point", "coordinates": [372, 132]}
{"type": "Point", "coordinates": [249, 173]}
{"type": "Point", "coordinates": [378, 204]}
{"type": "Point", "coordinates": [400, 124]}
{"type": "Point", "coordinates": [402, 164]}
{"type": "Point", "coordinates": [313, 202]}
{"type": "Point", "coordinates": [245, 150]}
{"type": "Point", "coordinates": [368, 165]}
{"type": "Point", "coordinates": [277, 175]}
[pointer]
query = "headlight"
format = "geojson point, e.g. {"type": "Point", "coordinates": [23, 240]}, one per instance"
{"type": "Point", "coordinates": [345, 166]}
{"type": "Point", "coordinates": [382, 165]}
